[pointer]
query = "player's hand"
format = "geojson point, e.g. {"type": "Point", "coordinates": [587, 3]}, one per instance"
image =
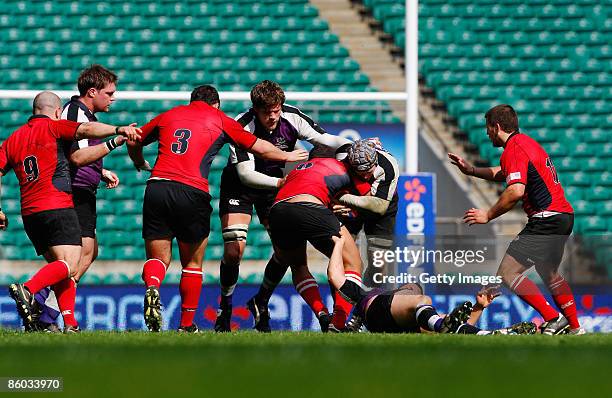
{"type": "Point", "coordinates": [131, 132]}
{"type": "Point", "coordinates": [145, 166]}
{"type": "Point", "coordinates": [475, 216]}
{"type": "Point", "coordinates": [486, 296]}
{"type": "Point", "coordinates": [338, 240]}
{"type": "Point", "coordinates": [341, 210]}
{"type": "Point", "coordinates": [297, 156]}
{"type": "Point", "coordinates": [281, 182]}
{"type": "Point", "coordinates": [119, 140]}
{"type": "Point", "coordinates": [110, 178]}
{"type": "Point", "coordinates": [3, 221]}
{"type": "Point", "coordinates": [462, 164]}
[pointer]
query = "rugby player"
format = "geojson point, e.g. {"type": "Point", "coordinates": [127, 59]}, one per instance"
{"type": "Point", "coordinates": [248, 182]}
{"type": "Point", "coordinates": [378, 219]}
{"type": "Point", "coordinates": [97, 86]}
{"type": "Point", "coordinates": [38, 153]}
{"type": "Point", "coordinates": [301, 213]}
{"type": "Point", "coordinates": [531, 176]}
{"type": "Point", "coordinates": [177, 199]}
{"type": "Point", "coordinates": [362, 158]}
{"type": "Point", "coordinates": [408, 310]}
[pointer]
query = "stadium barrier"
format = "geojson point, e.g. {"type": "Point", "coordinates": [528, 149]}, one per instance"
{"type": "Point", "coordinates": [120, 308]}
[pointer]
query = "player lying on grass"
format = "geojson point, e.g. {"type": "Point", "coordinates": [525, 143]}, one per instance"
{"type": "Point", "coordinates": [408, 310]}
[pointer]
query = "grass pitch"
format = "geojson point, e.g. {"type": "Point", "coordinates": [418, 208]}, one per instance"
{"type": "Point", "coordinates": [247, 364]}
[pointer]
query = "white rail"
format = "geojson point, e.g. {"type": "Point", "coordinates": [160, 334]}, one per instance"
{"type": "Point", "coordinates": [225, 95]}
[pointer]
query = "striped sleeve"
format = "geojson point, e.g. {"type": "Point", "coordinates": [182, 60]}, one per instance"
{"type": "Point", "coordinates": [74, 113]}
{"type": "Point", "coordinates": [385, 176]}
{"type": "Point", "coordinates": [238, 155]}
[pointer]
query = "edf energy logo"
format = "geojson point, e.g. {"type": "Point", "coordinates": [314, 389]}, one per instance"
{"type": "Point", "coordinates": [415, 223]}
{"type": "Point", "coordinates": [416, 213]}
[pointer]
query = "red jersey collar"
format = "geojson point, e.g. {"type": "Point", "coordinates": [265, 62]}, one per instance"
{"type": "Point", "coordinates": [511, 135]}
{"type": "Point", "coordinates": [38, 117]}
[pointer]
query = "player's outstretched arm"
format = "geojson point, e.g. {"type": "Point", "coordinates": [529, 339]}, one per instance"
{"type": "Point", "coordinates": [505, 203]}
{"type": "Point", "coordinates": [135, 153]}
{"type": "Point", "coordinates": [486, 173]}
{"type": "Point", "coordinates": [102, 130]}
{"type": "Point", "coordinates": [335, 269]}
{"type": "Point", "coordinates": [84, 156]}
{"type": "Point", "coordinates": [484, 298]}
{"type": "Point", "coordinates": [254, 179]}
{"type": "Point", "coordinates": [268, 151]}
{"type": "Point", "coordinates": [371, 203]}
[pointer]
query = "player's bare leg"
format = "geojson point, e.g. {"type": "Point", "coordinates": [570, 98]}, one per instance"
{"type": "Point", "coordinates": [235, 228]}
{"type": "Point", "coordinates": [512, 273]}
{"type": "Point", "coordinates": [190, 287]}
{"type": "Point", "coordinates": [352, 269]}
{"type": "Point", "coordinates": [159, 253]}
{"type": "Point", "coordinates": [89, 253]}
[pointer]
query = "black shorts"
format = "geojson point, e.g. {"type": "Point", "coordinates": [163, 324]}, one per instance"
{"type": "Point", "coordinates": [378, 318]}
{"type": "Point", "coordinates": [85, 207]}
{"type": "Point", "coordinates": [52, 228]}
{"type": "Point", "coordinates": [374, 224]}
{"type": "Point", "coordinates": [235, 197]}
{"type": "Point", "coordinates": [172, 209]}
{"type": "Point", "coordinates": [542, 241]}
{"type": "Point", "coordinates": [292, 224]}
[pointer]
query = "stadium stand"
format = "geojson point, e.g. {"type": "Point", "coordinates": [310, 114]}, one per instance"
{"type": "Point", "coordinates": [550, 60]}
{"type": "Point", "coordinates": [165, 45]}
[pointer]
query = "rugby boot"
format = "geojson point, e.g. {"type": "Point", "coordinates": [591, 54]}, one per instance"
{"type": "Point", "coordinates": [193, 328]}
{"type": "Point", "coordinates": [25, 305]}
{"type": "Point", "coordinates": [324, 321]}
{"type": "Point", "coordinates": [355, 323]}
{"type": "Point", "coordinates": [152, 309]}
{"type": "Point", "coordinates": [559, 325]}
{"type": "Point", "coordinates": [261, 315]}
{"type": "Point", "coordinates": [72, 329]}
{"type": "Point", "coordinates": [518, 328]}
{"type": "Point", "coordinates": [456, 318]}
{"type": "Point", "coordinates": [224, 318]}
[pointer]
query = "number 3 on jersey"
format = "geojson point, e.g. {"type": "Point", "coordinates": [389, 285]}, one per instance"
{"type": "Point", "coordinates": [182, 141]}
{"type": "Point", "coordinates": [30, 167]}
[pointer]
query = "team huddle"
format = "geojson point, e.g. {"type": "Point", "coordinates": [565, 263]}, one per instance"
{"type": "Point", "coordinates": [335, 191]}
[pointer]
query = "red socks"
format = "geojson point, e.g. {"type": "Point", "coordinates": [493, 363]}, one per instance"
{"type": "Point", "coordinates": [342, 308]}
{"type": "Point", "coordinates": [309, 290]}
{"type": "Point", "coordinates": [190, 289]}
{"type": "Point", "coordinates": [48, 275]}
{"type": "Point", "coordinates": [65, 292]}
{"type": "Point", "coordinates": [153, 272]}
{"type": "Point", "coordinates": [531, 294]}
{"type": "Point", "coordinates": [562, 294]}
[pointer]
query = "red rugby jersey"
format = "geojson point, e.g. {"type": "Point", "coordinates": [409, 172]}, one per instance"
{"type": "Point", "coordinates": [525, 161]}
{"type": "Point", "coordinates": [190, 136]}
{"type": "Point", "coordinates": [38, 153]}
{"type": "Point", "coordinates": [322, 178]}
